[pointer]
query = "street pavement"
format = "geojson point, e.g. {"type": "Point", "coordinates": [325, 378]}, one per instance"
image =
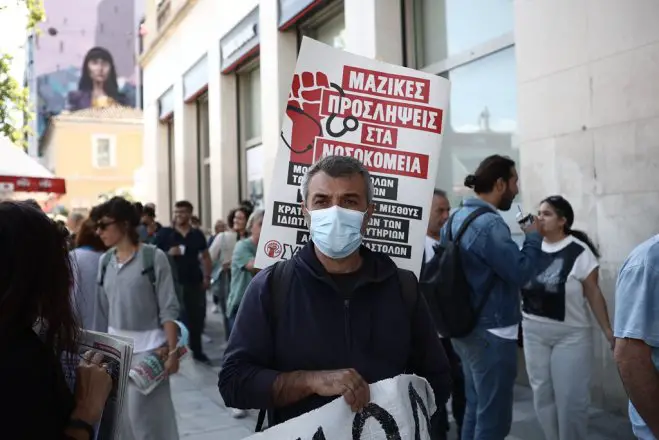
{"type": "Point", "coordinates": [202, 415]}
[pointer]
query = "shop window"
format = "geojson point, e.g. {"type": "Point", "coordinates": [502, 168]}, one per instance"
{"type": "Point", "coordinates": [327, 26]}
{"type": "Point", "coordinates": [254, 158]}
{"type": "Point", "coordinates": [252, 101]}
{"type": "Point", "coordinates": [171, 162]}
{"type": "Point", "coordinates": [445, 28]}
{"type": "Point", "coordinates": [481, 121]}
{"type": "Point", "coordinates": [103, 151]}
{"type": "Point", "coordinates": [204, 162]}
{"type": "Point", "coordinates": [251, 150]}
{"type": "Point", "coordinates": [470, 42]}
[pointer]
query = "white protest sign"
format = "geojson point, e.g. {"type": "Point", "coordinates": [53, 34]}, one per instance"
{"type": "Point", "coordinates": [389, 117]}
{"type": "Point", "coordinates": [400, 408]}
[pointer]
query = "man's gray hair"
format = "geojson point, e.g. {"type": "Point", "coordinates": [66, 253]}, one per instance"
{"type": "Point", "coordinates": [256, 216]}
{"type": "Point", "coordinates": [337, 166]}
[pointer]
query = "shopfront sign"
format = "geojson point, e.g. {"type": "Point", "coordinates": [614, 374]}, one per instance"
{"type": "Point", "coordinates": [240, 42]}
{"type": "Point", "coordinates": [166, 103]}
{"type": "Point", "coordinates": [290, 11]}
{"type": "Point", "coordinates": [195, 79]}
{"type": "Point", "coordinates": [389, 117]}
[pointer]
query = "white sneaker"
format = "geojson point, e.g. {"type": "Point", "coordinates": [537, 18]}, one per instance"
{"type": "Point", "coordinates": [206, 338]}
{"type": "Point", "coordinates": [215, 309]}
{"type": "Point", "coordinates": [238, 413]}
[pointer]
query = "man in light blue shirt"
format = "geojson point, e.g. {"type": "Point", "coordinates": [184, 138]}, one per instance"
{"type": "Point", "coordinates": [637, 333]}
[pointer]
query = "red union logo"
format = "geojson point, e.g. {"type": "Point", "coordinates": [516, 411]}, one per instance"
{"type": "Point", "coordinates": [273, 249]}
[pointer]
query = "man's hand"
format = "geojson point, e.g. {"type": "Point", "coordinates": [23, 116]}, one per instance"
{"type": "Point", "coordinates": [347, 383]}
{"type": "Point", "coordinates": [533, 227]}
{"type": "Point", "coordinates": [226, 265]}
{"type": "Point", "coordinates": [206, 283]}
{"type": "Point", "coordinates": [175, 251]}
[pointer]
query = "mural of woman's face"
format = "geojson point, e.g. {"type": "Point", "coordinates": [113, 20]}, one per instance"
{"type": "Point", "coordinates": [99, 70]}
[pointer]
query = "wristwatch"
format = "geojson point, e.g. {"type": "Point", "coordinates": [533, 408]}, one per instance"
{"type": "Point", "coordinates": [81, 424]}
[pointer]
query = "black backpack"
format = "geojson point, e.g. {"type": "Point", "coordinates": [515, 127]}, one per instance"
{"type": "Point", "coordinates": [445, 287]}
{"type": "Point", "coordinates": [280, 281]}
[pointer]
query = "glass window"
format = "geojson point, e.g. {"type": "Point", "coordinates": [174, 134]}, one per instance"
{"type": "Point", "coordinates": [206, 201]}
{"type": "Point", "coordinates": [252, 102]}
{"type": "Point", "coordinates": [444, 28]}
{"type": "Point", "coordinates": [482, 120]}
{"type": "Point", "coordinates": [204, 163]}
{"type": "Point", "coordinates": [331, 32]}
{"type": "Point", "coordinates": [254, 158]}
{"type": "Point", "coordinates": [103, 153]}
{"type": "Point", "coordinates": [171, 162]}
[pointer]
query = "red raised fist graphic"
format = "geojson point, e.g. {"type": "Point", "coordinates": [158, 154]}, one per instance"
{"type": "Point", "coordinates": [303, 109]}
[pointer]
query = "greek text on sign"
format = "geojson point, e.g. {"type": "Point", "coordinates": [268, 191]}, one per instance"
{"type": "Point", "coordinates": [381, 111]}
{"type": "Point", "coordinates": [388, 117]}
{"type": "Point", "coordinates": [400, 408]}
{"type": "Point", "coordinates": [384, 84]}
{"type": "Point", "coordinates": [400, 163]}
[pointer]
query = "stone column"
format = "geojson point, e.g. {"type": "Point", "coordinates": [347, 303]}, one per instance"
{"type": "Point", "coordinates": [223, 137]}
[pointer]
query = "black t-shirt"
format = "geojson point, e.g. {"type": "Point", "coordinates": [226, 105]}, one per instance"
{"type": "Point", "coordinates": [346, 282]}
{"type": "Point", "coordinates": [38, 402]}
{"type": "Point", "coordinates": [189, 269]}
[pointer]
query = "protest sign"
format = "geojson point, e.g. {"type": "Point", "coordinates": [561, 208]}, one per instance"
{"type": "Point", "coordinates": [389, 117]}
{"type": "Point", "coordinates": [400, 408]}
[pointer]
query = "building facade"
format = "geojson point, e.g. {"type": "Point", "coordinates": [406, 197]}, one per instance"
{"type": "Point", "coordinates": [565, 87]}
{"type": "Point", "coordinates": [98, 152]}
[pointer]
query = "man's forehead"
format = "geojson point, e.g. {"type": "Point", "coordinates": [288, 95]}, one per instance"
{"type": "Point", "coordinates": [325, 184]}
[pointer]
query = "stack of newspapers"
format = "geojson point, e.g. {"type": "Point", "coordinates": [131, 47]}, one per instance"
{"type": "Point", "coordinates": [118, 353]}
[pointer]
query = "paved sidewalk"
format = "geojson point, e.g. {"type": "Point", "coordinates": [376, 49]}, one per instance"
{"type": "Point", "coordinates": [202, 415]}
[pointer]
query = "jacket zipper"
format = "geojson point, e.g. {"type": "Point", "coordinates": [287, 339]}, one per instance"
{"type": "Point", "coordinates": [346, 319]}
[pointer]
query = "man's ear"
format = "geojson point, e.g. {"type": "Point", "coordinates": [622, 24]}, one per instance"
{"type": "Point", "coordinates": [367, 217]}
{"type": "Point", "coordinates": [305, 214]}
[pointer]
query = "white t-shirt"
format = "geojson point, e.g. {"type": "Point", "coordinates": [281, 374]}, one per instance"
{"type": "Point", "coordinates": [556, 294]}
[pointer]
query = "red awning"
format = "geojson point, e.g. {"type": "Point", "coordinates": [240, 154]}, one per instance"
{"type": "Point", "coordinates": [22, 173]}
{"type": "Point", "coordinates": [32, 184]}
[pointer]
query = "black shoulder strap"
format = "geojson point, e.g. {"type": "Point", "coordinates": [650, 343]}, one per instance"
{"type": "Point", "coordinates": [409, 287]}
{"type": "Point", "coordinates": [467, 221]}
{"type": "Point", "coordinates": [279, 282]}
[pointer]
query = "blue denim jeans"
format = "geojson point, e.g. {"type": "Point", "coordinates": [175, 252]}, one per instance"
{"type": "Point", "coordinates": [490, 368]}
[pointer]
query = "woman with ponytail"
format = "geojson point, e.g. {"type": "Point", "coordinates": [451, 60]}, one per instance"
{"type": "Point", "coordinates": [558, 344]}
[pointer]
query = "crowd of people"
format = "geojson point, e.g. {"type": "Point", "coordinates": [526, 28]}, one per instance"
{"type": "Point", "coordinates": [333, 319]}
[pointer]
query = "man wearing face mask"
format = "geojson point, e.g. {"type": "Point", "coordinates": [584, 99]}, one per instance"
{"type": "Point", "coordinates": [495, 269]}
{"type": "Point", "coordinates": [345, 322]}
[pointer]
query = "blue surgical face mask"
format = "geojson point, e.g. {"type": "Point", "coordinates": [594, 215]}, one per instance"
{"type": "Point", "coordinates": [336, 231]}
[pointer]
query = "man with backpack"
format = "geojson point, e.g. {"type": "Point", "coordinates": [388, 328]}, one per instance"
{"type": "Point", "coordinates": [476, 294]}
{"type": "Point", "coordinates": [334, 318]}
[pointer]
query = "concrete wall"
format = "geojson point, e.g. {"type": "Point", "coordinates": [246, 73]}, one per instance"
{"type": "Point", "coordinates": [589, 129]}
